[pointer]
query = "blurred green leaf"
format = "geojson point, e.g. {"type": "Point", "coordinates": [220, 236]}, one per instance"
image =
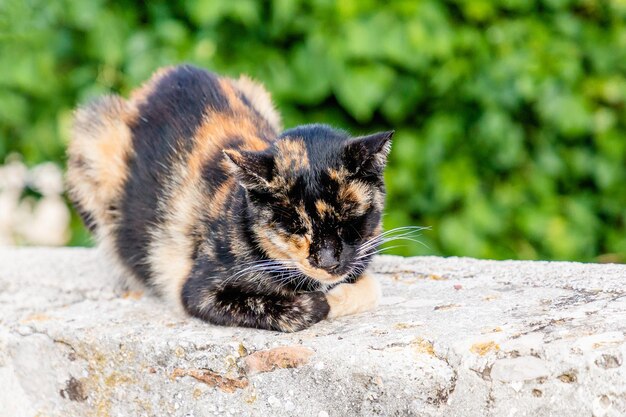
{"type": "Point", "coordinates": [361, 88]}
{"type": "Point", "coordinates": [509, 114]}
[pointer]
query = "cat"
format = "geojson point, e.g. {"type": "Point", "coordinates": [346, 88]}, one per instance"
{"type": "Point", "coordinates": [192, 186]}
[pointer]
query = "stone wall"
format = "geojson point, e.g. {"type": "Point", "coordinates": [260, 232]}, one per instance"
{"type": "Point", "coordinates": [453, 337]}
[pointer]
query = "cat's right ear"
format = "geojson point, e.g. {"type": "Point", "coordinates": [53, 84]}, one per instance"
{"type": "Point", "coordinates": [254, 169]}
{"type": "Point", "coordinates": [368, 154]}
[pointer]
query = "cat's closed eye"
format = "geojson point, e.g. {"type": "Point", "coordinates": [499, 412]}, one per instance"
{"type": "Point", "coordinates": [350, 234]}
{"type": "Point", "coordinates": [289, 221]}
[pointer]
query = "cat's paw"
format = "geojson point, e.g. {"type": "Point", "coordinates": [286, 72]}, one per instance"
{"type": "Point", "coordinates": [307, 309]}
{"type": "Point", "coordinates": [347, 299]}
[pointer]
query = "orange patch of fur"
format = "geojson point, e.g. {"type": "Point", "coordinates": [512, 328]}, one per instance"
{"type": "Point", "coordinates": [230, 93]}
{"type": "Point", "coordinates": [216, 205]}
{"type": "Point", "coordinates": [292, 155]}
{"type": "Point", "coordinates": [260, 99]}
{"type": "Point", "coordinates": [347, 299]}
{"type": "Point", "coordinates": [304, 216]}
{"type": "Point", "coordinates": [99, 151]}
{"type": "Point", "coordinates": [323, 208]}
{"type": "Point", "coordinates": [357, 192]}
{"type": "Point", "coordinates": [214, 135]}
{"type": "Point", "coordinates": [338, 175]}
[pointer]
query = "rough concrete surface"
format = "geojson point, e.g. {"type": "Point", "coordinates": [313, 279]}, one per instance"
{"type": "Point", "coordinates": [453, 337]}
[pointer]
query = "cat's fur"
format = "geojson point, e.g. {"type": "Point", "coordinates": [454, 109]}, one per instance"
{"type": "Point", "coordinates": [195, 191]}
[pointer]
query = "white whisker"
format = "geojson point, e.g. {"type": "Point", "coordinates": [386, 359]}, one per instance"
{"type": "Point", "coordinates": [370, 246]}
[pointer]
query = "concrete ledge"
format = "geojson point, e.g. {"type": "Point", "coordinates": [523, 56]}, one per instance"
{"type": "Point", "coordinates": [454, 337]}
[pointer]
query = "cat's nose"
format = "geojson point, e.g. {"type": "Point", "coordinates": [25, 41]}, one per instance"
{"type": "Point", "coordinates": [327, 260]}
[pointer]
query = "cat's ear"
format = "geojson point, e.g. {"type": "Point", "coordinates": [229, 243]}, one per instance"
{"type": "Point", "coordinates": [368, 154]}
{"type": "Point", "coordinates": [254, 169]}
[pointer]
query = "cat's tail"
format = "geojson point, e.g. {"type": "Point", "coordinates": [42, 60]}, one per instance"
{"type": "Point", "coordinates": [98, 154]}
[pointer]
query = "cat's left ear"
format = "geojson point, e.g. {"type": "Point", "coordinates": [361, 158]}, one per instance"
{"type": "Point", "coordinates": [368, 154]}
{"type": "Point", "coordinates": [254, 169]}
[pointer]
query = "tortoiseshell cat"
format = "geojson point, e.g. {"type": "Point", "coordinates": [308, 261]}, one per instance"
{"type": "Point", "coordinates": [192, 187]}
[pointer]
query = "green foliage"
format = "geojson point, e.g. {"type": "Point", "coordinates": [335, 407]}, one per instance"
{"type": "Point", "coordinates": [510, 115]}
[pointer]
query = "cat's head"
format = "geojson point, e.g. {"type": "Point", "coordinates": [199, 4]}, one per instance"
{"type": "Point", "coordinates": [316, 198]}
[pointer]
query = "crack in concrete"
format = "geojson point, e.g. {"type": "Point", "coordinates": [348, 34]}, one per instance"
{"type": "Point", "coordinates": [74, 352]}
{"type": "Point", "coordinates": [443, 395]}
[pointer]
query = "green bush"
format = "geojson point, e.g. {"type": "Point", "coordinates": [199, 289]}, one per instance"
{"type": "Point", "coordinates": [510, 115]}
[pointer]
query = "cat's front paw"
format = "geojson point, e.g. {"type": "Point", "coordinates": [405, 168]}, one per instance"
{"type": "Point", "coordinates": [306, 310]}
{"type": "Point", "coordinates": [347, 299]}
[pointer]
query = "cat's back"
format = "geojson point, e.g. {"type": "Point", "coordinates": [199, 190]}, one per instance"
{"type": "Point", "coordinates": [140, 169]}
{"type": "Point", "coordinates": [185, 110]}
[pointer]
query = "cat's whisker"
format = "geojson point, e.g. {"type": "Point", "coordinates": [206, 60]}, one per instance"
{"type": "Point", "coordinates": [300, 284]}
{"type": "Point", "coordinates": [402, 231]}
{"type": "Point", "coordinates": [411, 229]}
{"type": "Point", "coordinates": [283, 280]}
{"type": "Point", "coordinates": [383, 237]}
{"type": "Point", "coordinates": [373, 241]}
{"type": "Point", "coordinates": [267, 261]}
{"type": "Point", "coordinates": [290, 278]}
{"type": "Point", "coordinates": [405, 238]}
{"type": "Point", "coordinates": [268, 266]}
{"type": "Point", "coordinates": [378, 251]}
{"type": "Point", "coordinates": [385, 249]}
{"type": "Point", "coordinates": [264, 264]}
{"type": "Point", "coordinates": [391, 239]}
